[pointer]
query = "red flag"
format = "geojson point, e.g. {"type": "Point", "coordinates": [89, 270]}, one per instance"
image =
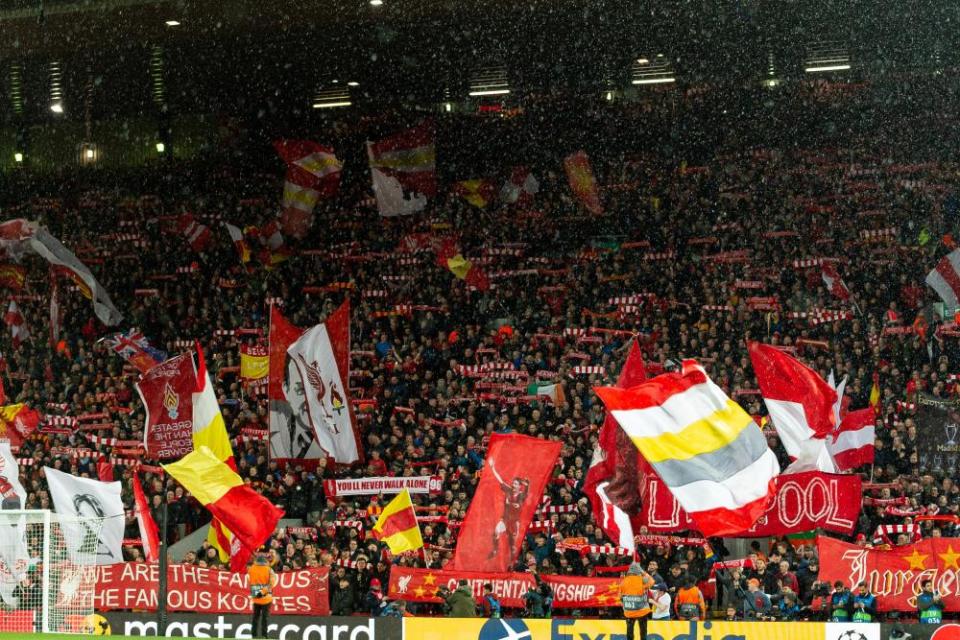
{"type": "Point", "coordinates": [104, 470]}
{"type": "Point", "coordinates": [291, 435]}
{"type": "Point", "coordinates": [149, 533]}
{"type": "Point", "coordinates": [833, 281]}
{"type": "Point", "coordinates": [612, 483]}
{"type": "Point", "coordinates": [582, 183]}
{"type": "Point", "coordinates": [18, 325]}
{"type": "Point", "coordinates": [313, 172]}
{"type": "Point", "coordinates": [851, 445]}
{"type": "Point", "coordinates": [513, 479]}
{"type": "Point", "coordinates": [167, 394]}
{"type": "Point", "coordinates": [198, 235]}
{"type": "Point", "coordinates": [800, 403]}
{"type": "Point", "coordinates": [896, 575]}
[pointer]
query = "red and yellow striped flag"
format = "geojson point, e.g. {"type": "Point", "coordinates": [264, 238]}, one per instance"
{"type": "Point", "coordinates": [397, 525]}
{"type": "Point", "coordinates": [249, 516]}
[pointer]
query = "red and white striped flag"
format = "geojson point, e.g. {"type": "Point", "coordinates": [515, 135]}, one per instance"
{"type": "Point", "coordinates": [945, 278]}
{"type": "Point", "coordinates": [852, 443]}
{"type": "Point", "coordinates": [833, 281]}
{"type": "Point", "coordinates": [198, 235]}
{"type": "Point", "coordinates": [17, 324]}
{"type": "Point", "coordinates": [313, 172]}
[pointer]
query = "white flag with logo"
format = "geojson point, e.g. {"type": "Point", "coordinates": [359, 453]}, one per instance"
{"type": "Point", "coordinates": [14, 556]}
{"type": "Point", "coordinates": [321, 356]}
{"type": "Point", "coordinates": [88, 499]}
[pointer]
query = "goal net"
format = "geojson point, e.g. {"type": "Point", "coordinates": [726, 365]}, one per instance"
{"type": "Point", "coordinates": [47, 571]}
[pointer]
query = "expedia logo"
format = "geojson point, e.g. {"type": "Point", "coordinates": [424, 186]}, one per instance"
{"type": "Point", "coordinates": [504, 629]}
{"type": "Point", "coordinates": [190, 625]}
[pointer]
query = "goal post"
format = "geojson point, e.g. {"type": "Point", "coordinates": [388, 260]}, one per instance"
{"type": "Point", "coordinates": [47, 571]}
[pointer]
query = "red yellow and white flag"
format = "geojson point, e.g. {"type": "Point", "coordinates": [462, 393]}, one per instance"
{"type": "Point", "coordinates": [403, 169]}
{"type": "Point", "coordinates": [702, 444]}
{"type": "Point", "coordinates": [313, 172]}
{"type": "Point", "coordinates": [582, 183]}
{"type": "Point", "coordinates": [248, 515]}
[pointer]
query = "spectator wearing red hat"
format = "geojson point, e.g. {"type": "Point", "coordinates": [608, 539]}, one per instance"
{"type": "Point", "coordinates": [373, 601]}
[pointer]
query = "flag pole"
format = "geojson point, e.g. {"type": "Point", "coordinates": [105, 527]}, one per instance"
{"type": "Point", "coordinates": [162, 587]}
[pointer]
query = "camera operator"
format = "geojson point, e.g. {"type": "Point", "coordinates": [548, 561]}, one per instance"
{"type": "Point", "coordinates": [819, 601]}
{"type": "Point", "coordinates": [787, 606]}
{"type": "Point", "coordinates": [929, 604]}
{"type": "Point", "coordinates": [756, 604]}
{"type": "Point", "coordinates": [841, 603]}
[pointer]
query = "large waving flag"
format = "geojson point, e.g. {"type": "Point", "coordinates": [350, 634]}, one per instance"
{"type": "Point", "coordinates": [403, 169]}
{"type": "Point", "coordinates": [397, 525]}
{"type": "Point", "coordinates": [86, 498]}
{"type": "Point", "coordinates": [322, 359]}
{"type": "Point", "coordinates": [612, 483]}
{"type": "Point", "coordinates": [945, 278]}
{"type": "Point", "coordinates": [250, 516]}
{"type": "Point", "coordinates": [209, 431]}
{"type": "Point", "coordinates": [291, 434]}
{"type": "Point", "coordinates": [582, 183]}
{"type": "Point", "coordinates": [851, 445]}
{"type": "Point", "coordinates": [801, 405]}
{"type": "Point", "coordinates": [702, 444]}
{"type": "Point", "coordinates": [313, 172]}
{"type": "Point", "coordinates": [512, 482]}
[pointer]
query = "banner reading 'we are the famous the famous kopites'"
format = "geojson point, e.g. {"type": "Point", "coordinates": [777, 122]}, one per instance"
{"type": "Point", "coordinates": [133, 585]}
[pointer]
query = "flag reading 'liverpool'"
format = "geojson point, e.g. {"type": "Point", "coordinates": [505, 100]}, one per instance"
{"type": "Point", "coordinates": [321, 357]}
{"type": "Point", "coordinates": [702, 444]}
{"type": "Point", "coordinates": [513, 479]}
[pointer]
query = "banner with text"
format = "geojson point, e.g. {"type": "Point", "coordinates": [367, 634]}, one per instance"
{"type": "Point", "coordinates": [421, 585]}
{"type": "Point", "coordinates": [167, 394]}
{"type": "Point", "coordinates": [804, 502]}
{"type": "Point", "coordinates": [375, 486]}
{"type": "Point", "coordinates": [133, 585]}
{"type": "Point", "coordinates": [894, 576]}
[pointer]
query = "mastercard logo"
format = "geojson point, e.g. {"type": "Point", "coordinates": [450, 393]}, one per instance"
{"type": "Point", "coordinates": [946, 632]}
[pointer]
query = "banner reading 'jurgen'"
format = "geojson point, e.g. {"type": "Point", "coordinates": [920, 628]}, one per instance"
{"type": "Point", "coordinates": [895, 575]}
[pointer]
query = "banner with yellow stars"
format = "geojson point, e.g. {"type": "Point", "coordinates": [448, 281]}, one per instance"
{"type": "Point", "coordinates": [895, 574]}
{"type": "Point", "coordinates": [421, 585]}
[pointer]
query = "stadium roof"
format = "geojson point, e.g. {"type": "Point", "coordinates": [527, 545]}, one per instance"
{"type": "Point", "coordinates": [231, 54]}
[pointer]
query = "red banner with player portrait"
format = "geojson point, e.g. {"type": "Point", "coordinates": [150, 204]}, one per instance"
{"type": "Point", "coordinates": [514, 476]}
{"type": "Point", "coordinates": [895, 575]}
{"type": "Point", "coordinates": [167, 393]}
{"type": "Point", "coordinates": [804, 502]}
{"type": "Point", "coordinates": [569, 592]}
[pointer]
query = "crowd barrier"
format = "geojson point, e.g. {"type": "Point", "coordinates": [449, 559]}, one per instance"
{"type": "Point", "coordinates": [196, 625]}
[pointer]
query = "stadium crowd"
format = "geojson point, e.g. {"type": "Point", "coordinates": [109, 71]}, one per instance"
{"type": "Point", "coordinates": [885, 210]}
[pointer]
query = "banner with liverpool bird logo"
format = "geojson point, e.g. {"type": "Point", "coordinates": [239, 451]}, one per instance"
{"type": "Point", "coordinates": [322, 358]}
{"type": "Point", "coordinates": [166, 391]}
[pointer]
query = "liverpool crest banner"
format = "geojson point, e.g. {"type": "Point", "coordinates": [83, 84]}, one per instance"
{"type": "Point", "coordinates": [166, 393]}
